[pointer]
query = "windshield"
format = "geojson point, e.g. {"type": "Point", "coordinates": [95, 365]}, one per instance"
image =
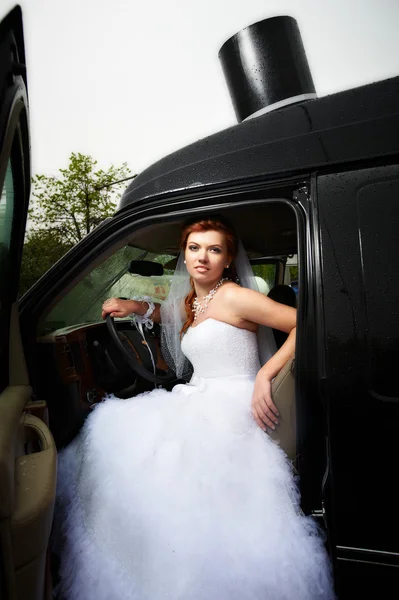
{"type": "Point", "coordinates": [113, 279]}
{"type": "Point", "coordinates": [110, 279]}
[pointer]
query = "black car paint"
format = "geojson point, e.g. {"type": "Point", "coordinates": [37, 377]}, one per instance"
{"type": "Point", "coordinates": [325, 134]}
{"type": "Point", "coordinates": [359, 216]}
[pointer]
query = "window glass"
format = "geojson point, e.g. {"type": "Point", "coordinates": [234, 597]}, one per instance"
{"type": "Point", "coordinates": [282, 270]}
{"type": "Point", "coordinates": [7, 268]}
{"type": "Point", "coordinates": [265, 276]}
{"type": "Point", "coordinates": [291, 272]}
{"type": "Point", "coordinates": [6, 217]}
{"type": "Point", "coordinates": [111, 278]}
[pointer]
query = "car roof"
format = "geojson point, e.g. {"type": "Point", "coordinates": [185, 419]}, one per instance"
{"type": "Point", "coordinates": [349, 126]}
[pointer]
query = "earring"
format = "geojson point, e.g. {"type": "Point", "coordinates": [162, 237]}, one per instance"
{"type": "Point", "coordinates": [184, 262]}
{"type": "Point", "coordinates": [227, 266]}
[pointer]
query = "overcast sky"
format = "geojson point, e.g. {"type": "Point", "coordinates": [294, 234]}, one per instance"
{"type": "Point", "coordinates": [130, 81]}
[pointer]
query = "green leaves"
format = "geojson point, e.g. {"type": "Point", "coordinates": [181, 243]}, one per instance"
{"type": "Point", "coordinates": [76, 202]}
{"type": "Point", "coordinates": [65, 209]}
{"type": "Point", "coordinates": [41, 251]}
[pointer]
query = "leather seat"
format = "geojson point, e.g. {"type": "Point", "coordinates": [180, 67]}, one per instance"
{"type": "Point", "coordinates": [283, 386]}
{"type": "Point", "coordinates": [283, 394]}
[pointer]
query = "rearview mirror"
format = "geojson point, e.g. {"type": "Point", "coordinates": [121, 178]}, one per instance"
{"type": "Point", "coordinates": [146, 268]}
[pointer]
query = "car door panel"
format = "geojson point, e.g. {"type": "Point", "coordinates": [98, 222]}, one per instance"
{"type": "Point", "coordinates": [27, 450]}
{"type": "Point", "coordinates": [28, 461]}
{"type": "Point", "coordinates": [12, 402]}
{"type": "Point", "coordinates": [360, 342]}
{"type": "Point", "coordinates": [35, 476]}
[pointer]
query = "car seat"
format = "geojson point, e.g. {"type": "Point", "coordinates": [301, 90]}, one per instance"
{"type": "Point", "coordinates": [285, 295]}
{"type": "Point", "coordinates": [283, 394]}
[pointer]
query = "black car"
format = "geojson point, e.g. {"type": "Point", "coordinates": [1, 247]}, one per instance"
{"type": "Point", "coordinates": [314, 177]}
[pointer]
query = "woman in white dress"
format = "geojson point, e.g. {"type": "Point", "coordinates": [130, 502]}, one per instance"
{"type": "Point", "coordinates": [182, 495]}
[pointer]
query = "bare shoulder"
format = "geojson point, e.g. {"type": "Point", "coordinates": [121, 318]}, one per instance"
{"type": "Point", "coordinates": [242, 305]}
{"type": "Point", "coordinates": [233, 291]}
{"type": "Point", "coordinates": [230, 291]}
{"type": "Point", "coordinates": [234, 295]}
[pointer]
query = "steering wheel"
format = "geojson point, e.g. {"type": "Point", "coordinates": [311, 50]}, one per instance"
{"type": "Point", "coordinates": [131, 358]}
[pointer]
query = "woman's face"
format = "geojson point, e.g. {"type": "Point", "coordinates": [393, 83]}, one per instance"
{"type": "Point", "coordinates": [206, 256]}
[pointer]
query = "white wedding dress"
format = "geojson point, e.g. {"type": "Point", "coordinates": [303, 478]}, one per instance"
{"type": "Point", "coordinates": [181, 496]}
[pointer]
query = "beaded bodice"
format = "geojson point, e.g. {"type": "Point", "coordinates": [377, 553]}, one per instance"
{"type": "Point", "coordinates": [218, 349]}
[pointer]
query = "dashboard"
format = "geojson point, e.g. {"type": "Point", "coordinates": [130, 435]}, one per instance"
{"type": "Point", "coordinates": [79, 365]}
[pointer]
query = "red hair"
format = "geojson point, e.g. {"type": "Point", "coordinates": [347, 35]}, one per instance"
{"type": "Point", "coordinates": [232, 247]}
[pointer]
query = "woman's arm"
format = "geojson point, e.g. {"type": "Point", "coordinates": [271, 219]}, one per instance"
{"type": "Point", "coordinates": [249, 305]}
{"type": "Point", "coordinates": [123, 308]}
{"type": "Point", "coordinates": [264, 410]}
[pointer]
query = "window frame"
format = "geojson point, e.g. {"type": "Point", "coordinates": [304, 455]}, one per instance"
{"type": "Point", "coordinates": [15, 150]}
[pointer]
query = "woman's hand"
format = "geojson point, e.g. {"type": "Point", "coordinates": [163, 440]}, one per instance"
{"type": "Point", "coordinates": [120, 308]}
{"type": "Point", "coordinates": [263, 408]}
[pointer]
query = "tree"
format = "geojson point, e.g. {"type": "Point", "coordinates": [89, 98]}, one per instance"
{"type": "Point", "coordinates": [64, 210]}
{"type": "Point", "coordinates": [41, 250]}
{"type": "Point", "coordinates": [74, 204]}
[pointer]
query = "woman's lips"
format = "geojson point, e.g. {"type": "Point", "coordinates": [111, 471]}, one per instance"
{"type": "Point", "coordinates": [201, 269]}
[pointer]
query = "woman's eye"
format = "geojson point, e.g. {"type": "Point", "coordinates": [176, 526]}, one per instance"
{"type": "Point", "coordinates": [192, 247]}
{"type": "Point", "coordinates": [217, 250]}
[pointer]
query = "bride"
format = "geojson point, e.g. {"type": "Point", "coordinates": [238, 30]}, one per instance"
{"type": "Point", "coordinates": [182, 495]}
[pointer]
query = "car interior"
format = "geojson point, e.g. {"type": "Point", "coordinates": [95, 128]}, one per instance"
{"type": "Point", "coordinates": [76, 358]}
{"type": "Point", "coordinates": [87, 358]}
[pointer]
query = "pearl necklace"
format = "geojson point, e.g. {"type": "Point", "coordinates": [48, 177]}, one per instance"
{"type": "Point", "coordinates": [200, 307]}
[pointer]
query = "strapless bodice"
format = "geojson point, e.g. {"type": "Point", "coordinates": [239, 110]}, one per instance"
{"type": "Point", "coordinates": [218, 349]}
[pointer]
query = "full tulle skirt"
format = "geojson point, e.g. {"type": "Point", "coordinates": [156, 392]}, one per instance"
{"type": "Point", "coordinates": [180, 495]}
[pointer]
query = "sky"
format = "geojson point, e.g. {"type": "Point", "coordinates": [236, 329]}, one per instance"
{"type": "Point", "coordinates": [129, 81]}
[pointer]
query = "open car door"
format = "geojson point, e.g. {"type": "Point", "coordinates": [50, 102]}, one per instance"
{"type": "Point", "coordinates": [27, 451]}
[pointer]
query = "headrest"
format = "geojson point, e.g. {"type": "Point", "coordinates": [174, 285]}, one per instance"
{"type": "Point", "coordinates": [284, 294]}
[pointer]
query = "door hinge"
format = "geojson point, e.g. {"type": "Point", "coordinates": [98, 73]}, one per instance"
{"type": "Point", "coordinates": [302, 190]}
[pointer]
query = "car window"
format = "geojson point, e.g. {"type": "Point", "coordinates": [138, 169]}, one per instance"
{"type": "Point", "coordinates": [109, 279]}
{"type": "Point", "coordinates": [7, 269]}
{"type": "Point", "coordinates": [265, 274]}
{"type": "Point", "coordinates": [112, 278]}
{"type": "Point", "coordinates": [6, 218]}
{"type": "Point", "coordinates": [276, 270]}
{"type": "Point", "coordinates": [291, 272]}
